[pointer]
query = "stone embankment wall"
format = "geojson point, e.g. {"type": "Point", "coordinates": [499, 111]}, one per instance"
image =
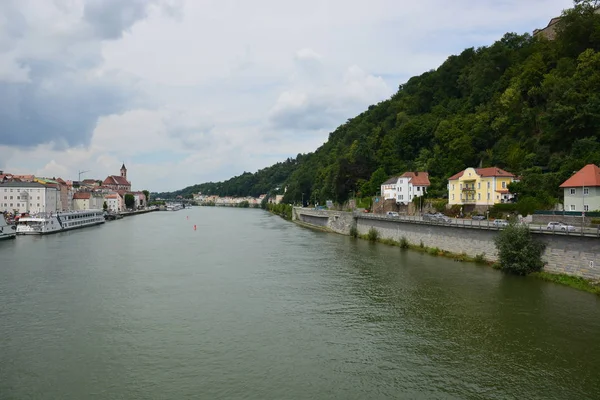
{"type": "Point", "coordinates": [571, 255]}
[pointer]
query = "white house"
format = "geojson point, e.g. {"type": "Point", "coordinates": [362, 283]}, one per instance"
{"type": "Point", "coordinates": [582, 190]}
{"type": "Point", "coordinates": [114, 202]}
{"type": "Point", "coordinates": [28, 197]}
{"type": "Point", "coordinates": [404, 188]}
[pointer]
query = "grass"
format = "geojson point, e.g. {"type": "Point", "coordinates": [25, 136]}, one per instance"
{"type": "Point", "coordinates": [568, 280]}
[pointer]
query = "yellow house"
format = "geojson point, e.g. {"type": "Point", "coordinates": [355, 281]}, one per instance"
{"type": "Point", "coordinates": [480, 187]}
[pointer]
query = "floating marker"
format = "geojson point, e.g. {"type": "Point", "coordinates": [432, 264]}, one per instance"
{"type": "Point", "coordinates": [194, 227]}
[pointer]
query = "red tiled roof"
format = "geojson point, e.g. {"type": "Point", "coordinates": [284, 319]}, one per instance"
{"type": "Point", "coordinates": [503, 191]}
{"type": "Point", "coordinates": [116, 180]}
{"type": "Point", "coordinates": [485, 172]}
{"type": "Point", "coordinates": [82, 196]}
{"type": "Point", "coordinates": [60, 180]}
{"type": "Point", "coordinates": [417, 178]}
{"type": "Point", "coordinates": [586, 176]}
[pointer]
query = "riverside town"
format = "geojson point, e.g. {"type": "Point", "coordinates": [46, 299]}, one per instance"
{"type": "Point", "coordinates": [377, 200]}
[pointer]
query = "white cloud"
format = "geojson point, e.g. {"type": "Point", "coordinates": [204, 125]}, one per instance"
{"type": "Point", "coordinates": [185, 91]}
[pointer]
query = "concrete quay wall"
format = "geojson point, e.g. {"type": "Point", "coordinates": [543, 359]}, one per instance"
{"type": "Point", "coordinates": [565, 254]}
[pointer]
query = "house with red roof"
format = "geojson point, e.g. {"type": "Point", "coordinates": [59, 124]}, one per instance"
{"type": "Point", "coordinates": [481, 187]}
{"type": "Point", "coordinates": [582, 190]}
{"type": "Point", "coordinates": [404, 188]}
{"type": "Point", "coordinates": [118, 182]}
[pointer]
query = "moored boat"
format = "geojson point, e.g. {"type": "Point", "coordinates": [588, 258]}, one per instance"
{"type": "Point", "coordinates": [6, 231]}
{"type": "Point", "coordinates": [41, 224]}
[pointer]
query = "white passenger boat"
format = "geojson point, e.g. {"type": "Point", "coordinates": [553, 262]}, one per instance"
{"type": "Point", "coordinates": [6, 231]}
{"type": "Point", "coordinates": [174, 206]}
{"type": "Point", "coordinates": [41, 224]}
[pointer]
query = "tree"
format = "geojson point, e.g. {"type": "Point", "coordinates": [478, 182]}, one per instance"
{"type": "Point", "coordinates": [105, 206]}
{"type": "Point", "coordinates": [129, 201]}
{"type": "Point", "coordinates": [518, 252]}
{"type": "Point", "coordinates": [147, 194]}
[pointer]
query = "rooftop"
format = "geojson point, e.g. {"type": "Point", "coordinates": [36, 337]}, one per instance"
{"type": "Point", "coordinates": [586, 176]}
{"type": "Point", "coordinates": [22, 185]}
{"type": "Point", "coordinates": [485, 173]}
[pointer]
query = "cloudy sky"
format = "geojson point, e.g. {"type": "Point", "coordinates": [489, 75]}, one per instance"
{"type": "Point", "coordinates": [188, 91]}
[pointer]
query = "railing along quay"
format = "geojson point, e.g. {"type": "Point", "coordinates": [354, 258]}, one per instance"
{"type": "Point", "coordinates": [477, 224]}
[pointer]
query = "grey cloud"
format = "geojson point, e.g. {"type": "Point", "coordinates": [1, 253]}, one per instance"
{"type": "Point", "coordinates": [313, 114]}
{"type": "Point", "coordinates": [54, 108]}
{"type": "Point", "coordinates": [110, 18]}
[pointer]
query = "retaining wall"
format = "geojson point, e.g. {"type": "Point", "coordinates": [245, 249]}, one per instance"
{"type": "Point", "coordinates": [571, 255]}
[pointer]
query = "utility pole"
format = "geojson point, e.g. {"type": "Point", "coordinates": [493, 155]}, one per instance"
{"type": "Point", "coordinates": [81, 172]}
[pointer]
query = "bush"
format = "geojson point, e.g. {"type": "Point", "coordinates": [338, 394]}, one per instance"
{"type": "Point", "coordinates": [354, 231]}
{"type": "Point", "coordinates": [404, 243]}
{"type": "Point", "coordinates": [595, 221]}
{"type": "Point", "coordinates": [518, 252]}
{"type": "Point", "coordinates": [434, 251]}
{"type": "Point", "coordinates": [439, 205]}
{"type": "Point", "coordinates": [421, 245]}
{"type": "Point", "coordinates": [373, 235]}
{"type": "Point", "coordinates": [480, 259]}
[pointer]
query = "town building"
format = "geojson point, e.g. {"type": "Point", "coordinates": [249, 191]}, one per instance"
{"type": "Point", "coordinates": [118, 182]}
{"type": "Point", "coordinates": [480, 187]}
{"type": "Point", "coordinates": [28, 197]}
{"type": "Point", "coordinates": [404, 188]}
{"type": "Point", "coordinates": [550, 31]}
{"type": "Point", "coordinates": [114, 202]}
{"type": "Point", "coordinates": [582, 190]}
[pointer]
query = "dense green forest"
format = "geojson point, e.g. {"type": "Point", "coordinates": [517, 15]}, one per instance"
{"type": "Point", "coordinates": [526, 104]}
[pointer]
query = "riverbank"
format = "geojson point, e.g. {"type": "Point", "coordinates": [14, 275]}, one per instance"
{"type": "Point", "coordinates": [427, 239]}
{"type": "Point", "coordinates": [137, 212]}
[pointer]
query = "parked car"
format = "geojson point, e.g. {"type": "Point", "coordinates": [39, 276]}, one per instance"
{"type": "Point", "coordinates": [500, 223]}
{"type": "Point", "coordinates": [439, 217]}
{"type": "Point", "coordinates": [559, 226]}
{"type": "Point", "coordinates": [478, 217]}
{"type": "Point", "coordinates": [392, 214]}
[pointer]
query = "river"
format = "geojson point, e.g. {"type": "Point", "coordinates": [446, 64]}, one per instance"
{"type": "Point", "coordinates": [249, 306]}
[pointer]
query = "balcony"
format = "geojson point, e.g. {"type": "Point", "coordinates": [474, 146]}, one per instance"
{"type": "Point", "coordinates": [468, 201]}
{"type": "Point", "coordinates": [470, 189]}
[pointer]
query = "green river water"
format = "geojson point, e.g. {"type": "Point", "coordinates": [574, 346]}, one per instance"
{"type": "Point", "coordinates": [250, 306]}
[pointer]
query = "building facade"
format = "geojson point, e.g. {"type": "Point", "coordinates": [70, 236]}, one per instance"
{"type": "Point", "coordinates": [28, 197]}
{"type": "Point", "coordinates": [118, 182]}
{"type": "Point", "coordinates": [582, 190]}
{"type": "Point", "coordinates": [480, 187]}
{"type": "Point", "coordinates": [404, 188]}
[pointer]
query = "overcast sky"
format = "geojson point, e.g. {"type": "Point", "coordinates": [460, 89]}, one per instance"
{"type": "Point", "coordinates": [188, 91]}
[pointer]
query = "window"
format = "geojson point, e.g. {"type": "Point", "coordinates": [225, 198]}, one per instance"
{"type": "Point", "coordinates": [461, 186]}
{"type": "Point", "coordinates": [572, 191]}
{"type": "Point", "coordinates": [586, 207]}
{"type": "Point", "coordinates": [11, 197]}
{"type": "Point", "coordinates": [399, 189]}
{"type": "Point", "coordinates": [452, 196]}
{"type": "Point", "coordinates": [478, 185]}
{"type": "Point", "coordinates": [401, 181]}
{"type": "Point", "coordinates": [488, 185]}
{"type": "Point", "coordinates": [418, 188]}
{"type": "Point", "coordinates": [479, 196]}
{"type": "Point", "coordinates": [572, 207]}
{"type": "Point", "coordinates": [401, 197]}
{"type": "Point", "coordinates": [503, 185]}
{"type": "Point", "coordinates": [586, 191]}
{"type": "Point", "coordinates": [488, 196]}
{"type": "Point", "coordinates": [453, 186]}
{"type": "Point", "coordinates": [18, 197]}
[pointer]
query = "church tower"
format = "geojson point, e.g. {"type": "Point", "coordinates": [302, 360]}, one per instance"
{"type": "Point", "coordinates": [124, 171]}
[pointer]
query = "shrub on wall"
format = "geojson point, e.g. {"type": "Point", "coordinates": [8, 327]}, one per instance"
{"type": "Point", "coordinates": [518, 252]}
{"type": "Point", "coordinates": [373, 235]}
